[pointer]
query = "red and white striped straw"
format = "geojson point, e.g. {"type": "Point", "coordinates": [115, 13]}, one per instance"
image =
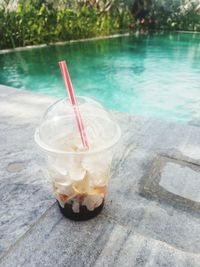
{"type": "Point", "coordinates": [72, 98]}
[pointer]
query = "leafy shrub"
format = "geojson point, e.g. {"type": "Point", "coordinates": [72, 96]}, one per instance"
{"type": "Point", "coordinates": [176, 15]}
{"type": "Point", "coordinates": [44, 23]}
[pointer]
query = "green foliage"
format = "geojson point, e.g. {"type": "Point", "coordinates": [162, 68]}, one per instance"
{"type": "Point", "coordinates": [179, 17]}
{"type": "Point", "coordinates": [41, 21]}
{"type": "Point", "coordinates": [44, 23]}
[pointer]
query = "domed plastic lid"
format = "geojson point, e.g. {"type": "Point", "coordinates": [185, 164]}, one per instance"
{"type": "Point", "coordinates": [58, 132]}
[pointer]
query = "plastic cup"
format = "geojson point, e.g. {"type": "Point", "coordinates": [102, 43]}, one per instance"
{"type": "Point", "coordinates": [80, 177]}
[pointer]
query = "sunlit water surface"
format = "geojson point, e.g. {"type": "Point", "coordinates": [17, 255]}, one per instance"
{"type": "Point", "coordinates": [154, 75]}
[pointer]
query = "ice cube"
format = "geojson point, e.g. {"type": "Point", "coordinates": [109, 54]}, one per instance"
{"type": "Point", "coordinates": [81, 187]}
{"type": "Point", "coordinates": [92, 202]}
{"type": "Point", "coordinates": [76, 171]}
{"type": "Point", "coordinates": [60, 165]}
{"type": "Point", "coordinates": [64, 189]}
{"type": "Point", "coordinates": [76, 206]}
{"type": "Point", "coordinates": [97, 170]}
{"type": "Point", "coordinates": [63, 179]}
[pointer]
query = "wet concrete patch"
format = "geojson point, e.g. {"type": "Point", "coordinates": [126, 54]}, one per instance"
{"type": "Point", "coordinates": [175, 181]}
{"type": "Point", "coordinates": [15, 167]}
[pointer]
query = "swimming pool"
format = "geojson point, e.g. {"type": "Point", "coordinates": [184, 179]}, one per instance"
{"type": "Point", "coordinates": [156, 75]}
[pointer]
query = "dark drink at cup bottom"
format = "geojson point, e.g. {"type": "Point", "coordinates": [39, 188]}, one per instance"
{"type": "Point", "coordinates": [82, 206]}
{"type": "Point", "coordinates": [82, 215]}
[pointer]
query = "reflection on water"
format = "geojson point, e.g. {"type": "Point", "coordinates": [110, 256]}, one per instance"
{"type": "Point", "coordinates": [154, 75]}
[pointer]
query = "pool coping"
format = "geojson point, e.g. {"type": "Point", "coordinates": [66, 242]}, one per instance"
{"type": "Point", "coordinates": [129, 33]}
{"type": "Point", "coordinates": [11, 50]}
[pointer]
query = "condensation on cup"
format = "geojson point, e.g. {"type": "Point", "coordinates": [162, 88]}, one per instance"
{"type": "Point", "coordinates": [79, 176]}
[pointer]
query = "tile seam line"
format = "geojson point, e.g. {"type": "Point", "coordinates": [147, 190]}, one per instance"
{"type": "Point", "coordinates": [14, 245]}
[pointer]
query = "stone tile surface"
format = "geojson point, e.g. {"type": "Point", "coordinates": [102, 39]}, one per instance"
{"type": "Point", "coordinates": [136, 227]}
{"type": "Point", "coordinates": [25, 191]}
{"type": "Point", "coordinates": [99, 242]}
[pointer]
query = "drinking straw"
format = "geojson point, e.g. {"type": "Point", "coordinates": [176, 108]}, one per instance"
{"type": "Point", "coordinates": [72, 98]}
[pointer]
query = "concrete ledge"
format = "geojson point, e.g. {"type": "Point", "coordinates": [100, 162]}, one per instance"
{"type": "Point", "coordinates": [4, 51]}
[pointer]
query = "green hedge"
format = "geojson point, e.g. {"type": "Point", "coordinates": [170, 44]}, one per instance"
{"type": "Point", "coordinates": [35, 23]}
{"type": "Point", "coordinates": [30, 25]}
{"type": "Point", "coordinates": [176, 17]}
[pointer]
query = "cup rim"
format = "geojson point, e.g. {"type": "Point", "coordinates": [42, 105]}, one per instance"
{"type": "Point", "coordinates": [50, 150]}
{"type": "Point", "coordinates": [46, 148]}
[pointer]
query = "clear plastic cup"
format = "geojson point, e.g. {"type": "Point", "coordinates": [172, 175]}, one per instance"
{"type": "Point", "coordinates": [80, 177]}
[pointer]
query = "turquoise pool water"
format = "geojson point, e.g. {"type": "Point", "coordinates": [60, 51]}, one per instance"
{"type": "Point", "coordinates": [153, 75]}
